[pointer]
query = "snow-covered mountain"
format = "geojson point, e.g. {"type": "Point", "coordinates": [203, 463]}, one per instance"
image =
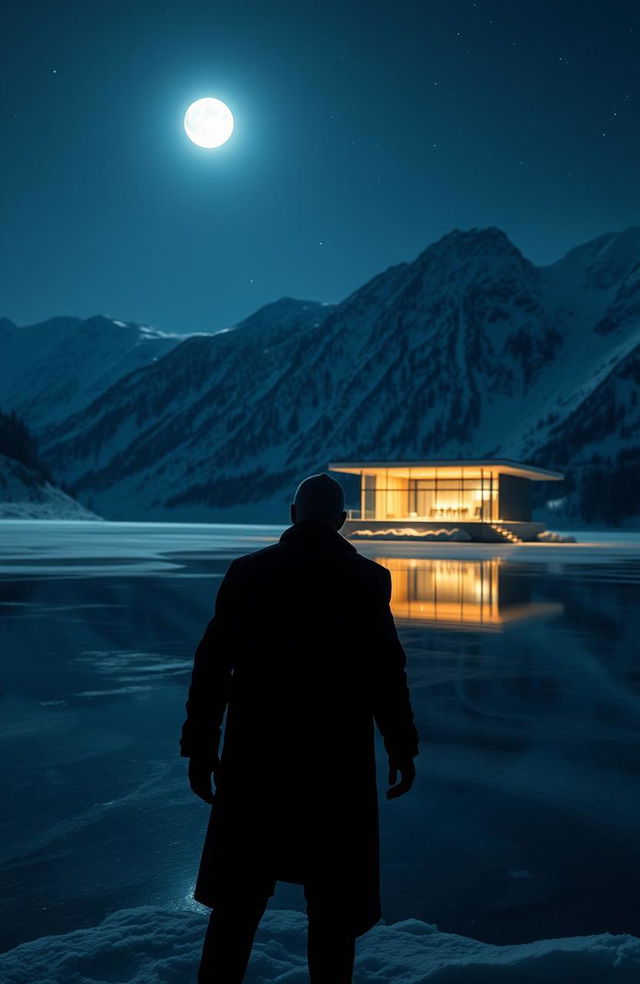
{"type": "Point", "coordinates": [55, 368]}
{"type": "Point", "coordinates": [27, 487]}
{"type": "Point", "coordinates": [468, 351]}
{"type": "Point", "coordinates": [25, 494]}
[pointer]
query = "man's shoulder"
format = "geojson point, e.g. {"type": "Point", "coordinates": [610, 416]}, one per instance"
{"type": "Point", "coordinates": [375, 575]}
{"type": "Point", "coordinates": [278, 554]}
{"type": "Point", "coordinates": [256, 558]}
{"type": "Point", "coordinates": [372, 568]}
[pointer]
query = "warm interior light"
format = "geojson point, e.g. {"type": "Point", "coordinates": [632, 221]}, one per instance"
{"type": "Point", "coordinates": [429, 495]}
{"type": "Point", "coordinates": [444, 590]}
{"type": "Point", "coordinates": [457, 593]}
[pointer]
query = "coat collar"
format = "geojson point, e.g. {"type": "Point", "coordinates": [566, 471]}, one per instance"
{"type": "Point", "coordinates": [313, 533]}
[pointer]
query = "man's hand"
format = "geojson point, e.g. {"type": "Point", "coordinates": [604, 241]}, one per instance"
{"type": "Point", "coordinates": [407, 771]}
{"type": "Point", "coordinates": [200, 771]}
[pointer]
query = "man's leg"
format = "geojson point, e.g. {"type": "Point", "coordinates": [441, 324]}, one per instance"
{"type": "Point", "coordinates": [229, 937]}
{"type": "Point", "coordinates": [330, 950]}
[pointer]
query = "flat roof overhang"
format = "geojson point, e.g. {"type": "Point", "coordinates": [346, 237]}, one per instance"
{"type": "Point", "coordinates": [426, 469]}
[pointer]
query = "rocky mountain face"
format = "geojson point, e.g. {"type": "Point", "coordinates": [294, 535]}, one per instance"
{"type": "Point", "coordinates": [469, 351]}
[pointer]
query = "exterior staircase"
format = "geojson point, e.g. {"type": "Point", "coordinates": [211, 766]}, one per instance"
{"type": "Point", "coordinates": [504, 534]}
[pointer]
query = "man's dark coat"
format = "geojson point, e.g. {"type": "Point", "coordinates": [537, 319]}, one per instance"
{"type": "Point", "coordinates": [303, 653]}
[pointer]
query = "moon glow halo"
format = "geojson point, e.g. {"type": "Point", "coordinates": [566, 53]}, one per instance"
{"type": "Point", "coordinates": [208, 122]}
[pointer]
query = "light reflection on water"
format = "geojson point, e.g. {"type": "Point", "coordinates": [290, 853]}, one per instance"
{"type": "Point", "coordinates": [452, 593]}
{"type": "Point", "coordinates": [523, 820]}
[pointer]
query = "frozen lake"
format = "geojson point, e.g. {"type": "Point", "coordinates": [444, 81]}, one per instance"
{"type": "Point", "coordinates": [525, 675]}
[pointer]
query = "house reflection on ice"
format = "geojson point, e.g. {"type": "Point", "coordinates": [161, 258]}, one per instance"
{"type": "Point", "coordinates": [479, 594]}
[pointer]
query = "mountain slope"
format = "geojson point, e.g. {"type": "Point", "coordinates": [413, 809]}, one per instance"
{"type": "Point", "coordinates": [468, 351]}
{"type": "Point", "coordinates": [25, 494]}
{"type": "Point", "coordinates": [200, 395]}
{"type": "Point", "coordinates": [27, 488]}
{"type": "Point", "coordinates": [55, 368]}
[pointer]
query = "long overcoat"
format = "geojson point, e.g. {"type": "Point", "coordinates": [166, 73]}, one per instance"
{"type": "Point", "coordinates": [303, 655]}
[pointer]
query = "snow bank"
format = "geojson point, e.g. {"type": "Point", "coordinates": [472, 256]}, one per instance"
{"type": "Point", "coordinates": [56, 506]}
{"type": "Point", "coordinates": [548, 536]}
{"type": "Point", "coordinates": [152, 945]}
{"type": "Point", "coordinates": [24, 494]}
{"type": "Point", "coordinates": [408, 532]}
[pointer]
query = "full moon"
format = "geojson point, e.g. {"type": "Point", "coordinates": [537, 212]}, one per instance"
{"type": "Point", "coordinates": [208, 122]}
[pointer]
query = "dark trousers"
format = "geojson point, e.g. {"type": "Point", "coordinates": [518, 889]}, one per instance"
{"type": "Point", "coordinates": [233, 924]}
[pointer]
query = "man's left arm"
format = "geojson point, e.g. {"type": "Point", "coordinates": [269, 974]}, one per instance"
{"type": "Point", "coordinates": [209, 691]}
{"type": "Point", "coordinates": [392, 708]}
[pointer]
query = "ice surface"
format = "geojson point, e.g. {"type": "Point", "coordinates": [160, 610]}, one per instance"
{"type": "Point", "coordinates": [522, 824]}
{"type": "Point", "coordinates": [151, 945]}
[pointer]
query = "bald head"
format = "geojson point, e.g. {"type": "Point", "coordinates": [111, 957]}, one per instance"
{"type": "Point", "coordinates": [319, 497]}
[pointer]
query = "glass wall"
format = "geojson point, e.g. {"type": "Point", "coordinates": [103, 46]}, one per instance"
{"type": "Point", "coordinates": [445, 495]}
{"type": "Point", "coordinates": [369, 496]}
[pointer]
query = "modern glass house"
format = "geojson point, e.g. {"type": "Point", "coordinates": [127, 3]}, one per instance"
{"type": "Point", "coordinates": [488, 500]}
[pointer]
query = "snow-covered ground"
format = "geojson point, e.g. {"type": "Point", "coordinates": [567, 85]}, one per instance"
{"type": "Point", "coordinates": [522, 825]}
{"type": "Point", "coordinates": [154, 946]}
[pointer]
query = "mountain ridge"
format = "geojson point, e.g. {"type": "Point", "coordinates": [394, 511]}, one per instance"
{"type": "Point", "coordinates": [466, 351]}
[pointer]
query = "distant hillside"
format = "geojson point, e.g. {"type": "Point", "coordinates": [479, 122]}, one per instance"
{"type": "Point", "coordinates": [27, 490]}
{"type": "Point", "coordinates": [469, 351]}
{"type": "Point", "coordinates": [55, 368]}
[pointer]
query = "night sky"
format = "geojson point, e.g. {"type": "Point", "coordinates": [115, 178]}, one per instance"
{"type": "Point", "coordinates": [364, 131]}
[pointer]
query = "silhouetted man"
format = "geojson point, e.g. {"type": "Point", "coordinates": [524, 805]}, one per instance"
{"type": "Point", "coordinates": [302, 652]}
